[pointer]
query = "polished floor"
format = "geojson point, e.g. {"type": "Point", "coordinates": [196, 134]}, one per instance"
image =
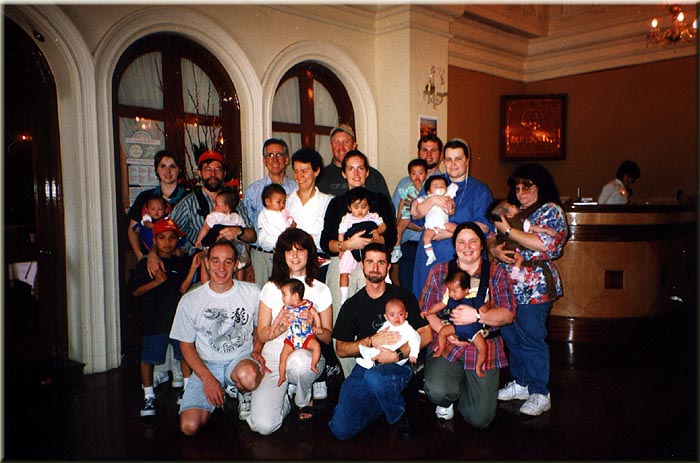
{"type": "Point", "coordinates": [617, 400]}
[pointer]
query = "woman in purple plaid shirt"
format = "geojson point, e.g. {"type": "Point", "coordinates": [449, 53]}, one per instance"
{"type": "Point", "coordinates": [452, 377]}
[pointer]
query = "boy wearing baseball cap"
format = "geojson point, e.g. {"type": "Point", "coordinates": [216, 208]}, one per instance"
{"type": "Point", "coordinates": [157, 300]}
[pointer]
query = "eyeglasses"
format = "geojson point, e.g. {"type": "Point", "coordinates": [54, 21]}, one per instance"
{"type": "Point", "coordinates": [524, 187]}
{"type": "Point", "coordinates": [273, 155]}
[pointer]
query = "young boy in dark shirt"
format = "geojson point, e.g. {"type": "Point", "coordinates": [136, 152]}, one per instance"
{"type": "Point", "coordinates": [157, 299]}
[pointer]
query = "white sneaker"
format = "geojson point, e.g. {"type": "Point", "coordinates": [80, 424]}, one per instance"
{"type": "Point", "coordinates": [178, 379]}
{"type": "Point", "coordinates": [396, 254]}
{"type": "Point", "coordinates": [160, 377]}
{"type": "Point", "coordinates": [445, 413]}
{"type": "Point", "coordinates": [320, 390]}
{"type": "Point", "coordinates": [244, 406]}
{"type": "Point", "coordinates": [513, 391]}
{"type": "Point", "coordinates": [536, 404]}
{"type": "Point", "coordinates": [231, 391]}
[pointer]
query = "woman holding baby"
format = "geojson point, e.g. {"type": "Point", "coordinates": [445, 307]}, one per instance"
{"type": "Point", "coordinates": [452, 378]}
{"type": "Point", "coordinates": [294, 257]}
{"type": "Point", "coordinates": [533, 191]}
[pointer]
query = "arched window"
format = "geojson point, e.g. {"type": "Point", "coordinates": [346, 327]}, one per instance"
{"type": "Point", "coordinates": [170, 93]}
{"type": "Point", "coordinates": [310, 100]}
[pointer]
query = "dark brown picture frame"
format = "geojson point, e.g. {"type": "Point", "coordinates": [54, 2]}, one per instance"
{"type": "Point", "coordinates": [533, 127]}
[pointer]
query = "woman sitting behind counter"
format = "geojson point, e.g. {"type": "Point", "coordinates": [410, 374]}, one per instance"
{"type": "Point", "coordinates": [619, 190]}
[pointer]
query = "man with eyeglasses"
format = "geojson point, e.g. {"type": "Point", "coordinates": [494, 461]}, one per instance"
{"type": "Point", "coordinates": [190, 212]}
{"type": "Point", "coordinates": [276, 159]}
{"type": "Point", "coordinates": [331, 180]}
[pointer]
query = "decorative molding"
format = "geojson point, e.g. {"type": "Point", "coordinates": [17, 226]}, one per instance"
{"type": "Point", "coordinates": [580, 39]}
{"type": "Point", "coordinates": [348, 17]}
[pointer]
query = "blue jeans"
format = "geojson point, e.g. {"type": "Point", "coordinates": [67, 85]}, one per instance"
{"type": "Point", "coordinates": [406, 263]}
{"type": "Point", "coordinates": [367, 394]}
{"type": "Point", "coordinates": [529, 351]}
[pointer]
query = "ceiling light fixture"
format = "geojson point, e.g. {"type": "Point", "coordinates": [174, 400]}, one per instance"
{"type": "Point", "coordinates": [676, 31]}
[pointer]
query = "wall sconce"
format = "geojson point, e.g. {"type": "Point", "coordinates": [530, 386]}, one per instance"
{"type": "Point", "coordinates": [432, 93]}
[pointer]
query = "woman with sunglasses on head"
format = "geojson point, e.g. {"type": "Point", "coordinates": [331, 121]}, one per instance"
{"type": "Point", "coordinates": [533, 191]}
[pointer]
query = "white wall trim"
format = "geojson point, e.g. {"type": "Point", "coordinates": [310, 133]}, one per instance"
{"type": "Point", "coordinates": [349, 74]}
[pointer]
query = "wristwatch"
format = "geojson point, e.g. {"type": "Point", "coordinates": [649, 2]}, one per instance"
{"type": "Point", "coordinates": [399, 353]}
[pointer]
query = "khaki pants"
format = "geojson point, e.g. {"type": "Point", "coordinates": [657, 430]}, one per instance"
{"type": "Point", "coordinates": [262, 266]}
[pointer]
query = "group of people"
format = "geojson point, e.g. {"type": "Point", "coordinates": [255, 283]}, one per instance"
{"type": "Point", "coordinates": [315, 294]}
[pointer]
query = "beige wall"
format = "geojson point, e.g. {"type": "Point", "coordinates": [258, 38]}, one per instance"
{"type": "Point", "coordinates": [647, 113]}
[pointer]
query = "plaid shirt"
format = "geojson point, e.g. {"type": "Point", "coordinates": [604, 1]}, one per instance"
{"type": "Point", "coordinates": [186, 217]}
{"type": "Point", "coordinates": [500, 295]}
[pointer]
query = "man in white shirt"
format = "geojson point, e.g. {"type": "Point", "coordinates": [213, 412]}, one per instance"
{"type": "Point", "coordinates": [216, 327]}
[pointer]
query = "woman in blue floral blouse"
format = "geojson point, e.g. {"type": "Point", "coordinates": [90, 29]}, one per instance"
{"type": "Point", "coordinates": [533, 191]}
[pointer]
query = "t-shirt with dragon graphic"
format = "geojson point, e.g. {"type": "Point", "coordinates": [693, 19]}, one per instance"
{"type": "Point", "coordinates": [220, 324]}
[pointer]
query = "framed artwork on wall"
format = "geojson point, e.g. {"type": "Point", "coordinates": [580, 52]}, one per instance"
{"type": "Point", "coordinates": [427, 125]}
{"type": "Point", "coordinates": [533, 127]}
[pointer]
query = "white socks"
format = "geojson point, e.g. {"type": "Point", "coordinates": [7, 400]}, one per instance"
{"type": "Point", "coordinates": [148, 392]}
{"type": "Point", "coordinates": [430, 253]}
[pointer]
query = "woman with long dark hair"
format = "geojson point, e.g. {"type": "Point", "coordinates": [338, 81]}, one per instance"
{"type": "Point", "coordinates": [294, 257]}
{"type": "Point", "coordinates": [533, 191]}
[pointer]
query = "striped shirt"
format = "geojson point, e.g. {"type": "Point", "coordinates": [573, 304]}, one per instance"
{"type": "Point", "coordinates": [189, 218]}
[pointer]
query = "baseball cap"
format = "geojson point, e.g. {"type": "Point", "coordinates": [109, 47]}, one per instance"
{"type": "Point", "coordinates": [343, 128]}
{"type": "Point", "coordinates": [166, 224]}
{"type": "Point", "coordinates": [210, 156]}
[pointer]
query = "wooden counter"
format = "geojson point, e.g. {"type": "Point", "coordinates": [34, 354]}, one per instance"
{"type": "Point", "coordinates": [621, 264]}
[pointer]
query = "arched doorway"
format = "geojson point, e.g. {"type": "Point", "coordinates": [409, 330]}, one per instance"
{"type": "Point", "coordinates": [35, 313]}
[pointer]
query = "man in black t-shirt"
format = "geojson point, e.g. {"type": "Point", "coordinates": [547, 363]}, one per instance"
{"type": "Point", "coordinates": [367, 394]}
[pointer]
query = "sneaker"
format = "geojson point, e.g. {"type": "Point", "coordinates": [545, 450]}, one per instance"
{"type": "Point", "coordinates": [513, 391]}
{"type": "Point", "coordinates": [332, 370]}
{"type": "Point", "coordinates": [320, 390]}
{"type": "Point", "coordinates": [178, 380]}
{"type": "Point", "coordinates": [149, 407]}
{"type": "Point", "coordinates": [445, 413]}
{"type": "Point", "coordinates": [160, 377]}
{"type": "Point", "coordinates": [179, 396]}
{"type": "Point", "coordinates": [243, 406]}
{"type": "Point", "coordinates": [536, 404]}
{"type": "Point", "coordinates": [231, 391]}
{"type": "Point", "coordinates": [396, 254]}
{"type": "Point", "coordinates": [291, 390]}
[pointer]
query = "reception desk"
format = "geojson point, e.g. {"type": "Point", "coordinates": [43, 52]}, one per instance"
{"type": "Point", "coordinates": [622, 264]}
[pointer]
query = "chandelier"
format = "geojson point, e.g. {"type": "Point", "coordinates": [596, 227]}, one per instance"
{"type": "Point", "coordinates": [676, 31]}
{"type": "Point", "coordinates": [432, 93]}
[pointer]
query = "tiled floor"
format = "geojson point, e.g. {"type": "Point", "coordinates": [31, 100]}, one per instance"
{"type": "Point", "coordinates": [632, 401]}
